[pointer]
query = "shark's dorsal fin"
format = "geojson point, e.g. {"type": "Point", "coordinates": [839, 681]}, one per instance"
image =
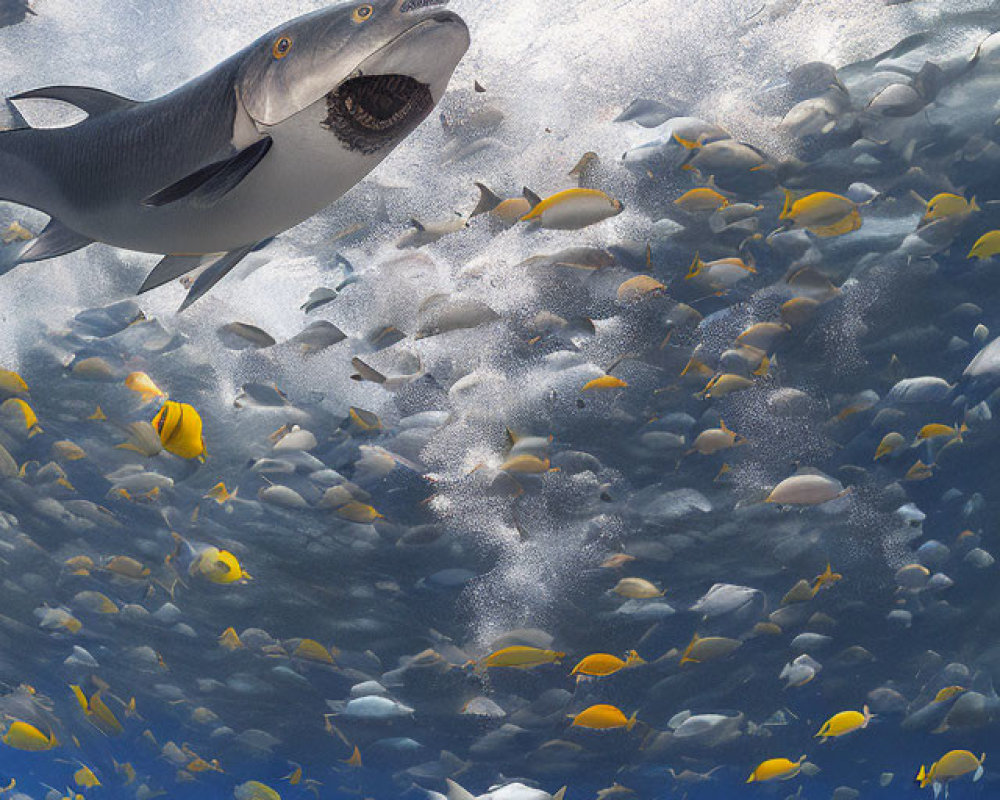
{"type": "Point", "coordinates": [94, 102]}
{"type": "Point", "coordinates": [208, 185]}
{"type": "Point", "coordinates": [488, 200]}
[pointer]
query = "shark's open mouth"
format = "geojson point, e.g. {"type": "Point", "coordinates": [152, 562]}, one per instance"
{"type": "Point", "coordinates": [372, 112]}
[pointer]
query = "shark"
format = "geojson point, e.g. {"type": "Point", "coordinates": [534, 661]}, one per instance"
{"type": "Point", "coordinates": [215, 169]}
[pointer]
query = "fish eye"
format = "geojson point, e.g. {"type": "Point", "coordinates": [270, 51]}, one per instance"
{"type": "Point", "coordinates": [362, 13]}
{"type": "Point", "coordinates": [281, 47]}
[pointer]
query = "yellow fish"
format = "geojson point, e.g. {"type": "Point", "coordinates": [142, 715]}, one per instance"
{"type": "Point", "coordinates": [637, 589]}
{"type": "Point", "coordinates": [776, 769]}
{"type": "Point", "coordinates": [600, 665]}
{"type": "Point", "coordinates": [180, 429]}
{"type": "Point", "coordinates": [602, 718]}
{"type": "Point", "coordinates": [708, 648]}
{"type": "Point", "coordinates": [143, 385]}
{"type": "Point", "coordinates": [220, 494]}
{"type": "Point", "coordinates": [953, 764]}
{"type": "Point", "coordinates": [844, 723]}
{"type": "Point", "coordinates": [574, 209]}
{"type": "Point", "coordinates": [522, 657]}
{"type": "Point", "coordinates": [526, 464]}
{"type": "Point", "coordinates": [919, 472]}
{"type": "Point", "coordinates": [638, 287]}
{"type": "Point", "coordinates": [986, 246]}
{"type": "Point", "coordinates": [255, 790]}
{"type": "Point", "coordinates": [947, 693]}
{"type": "Point", "coordinates": [935, 430]}
{"type": "Point", "coordinates": [17, 405]}
{"type": "Point", "coordinates": [354, 511]}
{"type": "Point", "coordinates": [725, 384]}
{"type": "Point", "coordinates": [605, 382]}
{"type": "Point", "coordinates": [230, 639]}
{"type": "Point", "coordinates": [311, 650]}
{"type": "Point", "coordinates": [698, 266]}
{"type": "Point", "coordinates": [219, 566]}
{"type": "Point", "coordinates": [16, 232]}
{"type": "Point", "coordinates": [97, 711]}
{"type": "Point", "coordinates": [890, 443]}
{"type": "Point", "coordinates": [11, 383]}
{"type": "Point", "coordinates": [25, 736]}
{"type": "Point", "coordinates": [948, 204]}
{"type": "Point", "coordinates": [85, 777]}
{"type": "Point", "coordinates": [127, 567]}
{"type": "Point", "coordinates": [701, 200]}
{"type": "Point", "coordinates": [823, 213]}
{"type": "Point", "coordinates": [826, 578]}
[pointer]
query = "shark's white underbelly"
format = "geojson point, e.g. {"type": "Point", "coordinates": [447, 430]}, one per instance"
{"type": "Point", "coordinates": [306, 170]}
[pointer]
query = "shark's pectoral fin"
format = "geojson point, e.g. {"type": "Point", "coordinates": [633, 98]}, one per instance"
{"type": "Point", "coordinates": [55, 240]}
{"type": "Point", "coordinates": [170, 268]}
{"type": "Point", "coordinates": [210, 184]}
{"type": "Point", "coordinates": [213, 274]}
{"type": "Point", "coordinates": [94, 102]}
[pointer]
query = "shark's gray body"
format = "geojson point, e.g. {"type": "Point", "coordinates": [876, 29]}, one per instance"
{"type": "Point", "coordinates": [242, 153]}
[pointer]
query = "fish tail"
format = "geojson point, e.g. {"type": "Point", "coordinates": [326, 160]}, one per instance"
{"type": "Point", "coordinates": [696, 267]}
{"type": "Point", "coordinates": [973, 205]}
{"type": "Point", "coordinates": [632, 720]}
{"type": "Point", "coordinates": [789, 201]}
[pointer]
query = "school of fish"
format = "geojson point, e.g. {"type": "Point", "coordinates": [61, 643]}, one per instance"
{"type": "Point", "coordinates": [629, 433]}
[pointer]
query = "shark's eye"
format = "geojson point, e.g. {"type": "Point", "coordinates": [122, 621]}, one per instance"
{"type": "Point", "coordinates": [363, 13]}
{"type": "Point", "coordinates": [281, 47]}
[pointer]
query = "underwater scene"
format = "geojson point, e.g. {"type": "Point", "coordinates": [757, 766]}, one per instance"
{"type": "Point", "coordinates": [499, 401]}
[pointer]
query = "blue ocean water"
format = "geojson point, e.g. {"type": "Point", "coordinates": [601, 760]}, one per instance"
{"type": "Point", "coordinates": [749, 342]}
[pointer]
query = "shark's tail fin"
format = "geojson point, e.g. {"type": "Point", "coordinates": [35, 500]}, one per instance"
{"type": "Point", "coordinates": [56, 239]}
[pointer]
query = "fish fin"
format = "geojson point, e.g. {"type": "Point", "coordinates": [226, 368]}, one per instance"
{"type": "Point", "coordinates": [787, 207]}
{"type": "Point", "coordinates": [688, 144]}
{"type": "Point", "coordinates": [531, 197]}
{"type": "Point", "coordinates": [557, 796]}
{"type": "Point", "coordinates": [978, 774]}
{"type": "Point", "coordinates": [94, 102]}
{"type": "Point", "coordinates": [16, 117]}
{"type": "Point", "coordinates": [417, 225]}
{"type": "Point", "coordinates": [366, 372]}
{"type": "Point", "coordinates": [848, 224]}
{"type": "Point", "coordinates": [457, 792]}
{"type": "Point", "coordinates": [55, 240]}
{"type": "Point", "coordinates": [208, 185]}
{"type": "Point", "coordinates": [213, 274]}
{"type": "Point", "coordinates": [170, 268]}
{"type": "Point", "coordinates": [487, 201]}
